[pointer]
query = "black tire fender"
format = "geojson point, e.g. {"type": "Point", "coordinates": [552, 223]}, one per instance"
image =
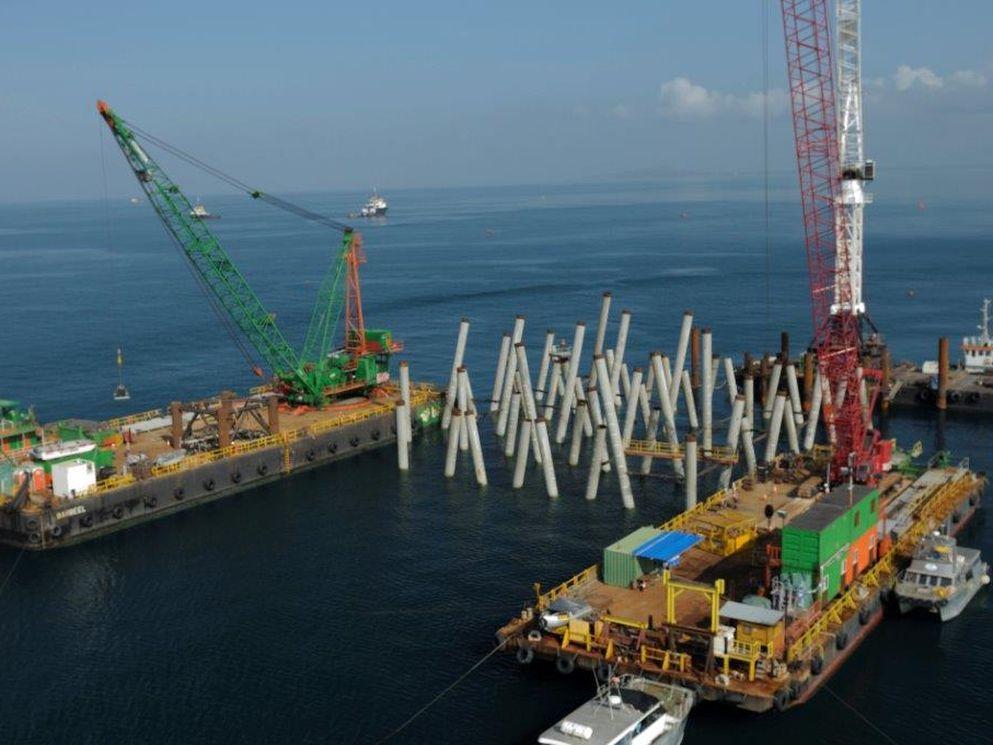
{"type": "Point", "coordinates": [332, 447]}
{"type": "Point", "coordinates": [86, 521]}
{"type": "Point", "coordinates": [310, 455]}
{"type": "Point", "coordinates": [816, 665]}
{"type": "Point", "coordinates": [954, 396]}
{"type": "Point", "coordinates": [118, 512]}
{"type": "Point", "coordinates": [34, 537]}
{"type": "Point", "coordinates": [974, 397]}
{"type": "Point", "coordinates": [841, 639]}
{"type": "Point", "coordinates": [209, 484]}
{"type": "Point", "coordinates": [31, 525]}
{"type": "Point", "coordinates": [151, 502]}
{"type": "Point", "coordinates": [354, 442]}
{"type": "Point", "coordinates": [525, 655]}
{"type": "Point", "coordinates": [262, 469]}
{"type": "Point", "coordinates": [782, 699]}
{"type": "Point", "coordinates": [56, 531]}
{"type": "Point", "coordinates": [179, 492]}
{"type": "Point", "coordinates": [375, 435]}
{"type": "Point", "coordinates": [236, 477]}
{"type": "Point", "coordinates": [565, 663]}
{"type": "Point", "coordinates": [865, 613]}
{"type": "Point", "coordinates": [956, 517]}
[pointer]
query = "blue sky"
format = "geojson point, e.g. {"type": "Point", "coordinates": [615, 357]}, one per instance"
{"type": "Point", "coordinates": [327, 95]}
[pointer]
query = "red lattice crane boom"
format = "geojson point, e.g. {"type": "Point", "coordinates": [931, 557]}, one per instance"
{"type": "Point", "coordinates": [837, 333]}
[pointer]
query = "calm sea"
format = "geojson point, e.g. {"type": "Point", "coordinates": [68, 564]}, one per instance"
{"type": "Point", "coordinates": [329, 607]}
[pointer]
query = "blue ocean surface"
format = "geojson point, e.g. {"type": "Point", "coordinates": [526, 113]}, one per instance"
{"type": "Point", "coordinates": [332, 605]}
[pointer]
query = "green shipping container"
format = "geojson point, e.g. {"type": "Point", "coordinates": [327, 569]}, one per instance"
{"type": "Point", "coordinates": [6, 477]}
{"type": "Point", "coordinates": [380, 337]}
{"type": "Point", "coordinates": [620, 566]}
{"type": "Point", "coordinates": [818, 540]}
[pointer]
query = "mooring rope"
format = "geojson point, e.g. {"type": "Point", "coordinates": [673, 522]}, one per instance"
{"type": "Point", "coordinates": [860, 715]}
{"type": "Point", "coordinates": [443, 693]}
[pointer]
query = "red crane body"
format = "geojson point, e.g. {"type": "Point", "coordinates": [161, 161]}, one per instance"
{"type": "Point", "coordinates": [837, 333]}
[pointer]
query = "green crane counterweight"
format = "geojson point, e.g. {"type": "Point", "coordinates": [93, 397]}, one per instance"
{"type": "Point", "coordinates": [322, 371]}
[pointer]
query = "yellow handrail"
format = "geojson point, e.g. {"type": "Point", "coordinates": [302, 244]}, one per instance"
{"type": "Point", "coordinates": [545, 598]}
{"type": "Point", "coordinates": [123, 421]}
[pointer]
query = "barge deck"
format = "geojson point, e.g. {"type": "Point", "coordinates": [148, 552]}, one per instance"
{"type": "Point", "coordinates": [675, 623]}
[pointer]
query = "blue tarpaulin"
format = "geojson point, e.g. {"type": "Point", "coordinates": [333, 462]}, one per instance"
{"type": "Point", "coordinates": [667, 546]}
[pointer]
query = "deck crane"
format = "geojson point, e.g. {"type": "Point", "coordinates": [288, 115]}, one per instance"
{"type": "Point", "coordinates": [323, 370]}
{"type": "Point", "coordinates": [835, 275]}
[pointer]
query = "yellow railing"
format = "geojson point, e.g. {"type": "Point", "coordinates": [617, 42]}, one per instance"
{"type": "Point", "coordinates": [654, 449]}
{"type": "Point", "coordinates": [747, 652]}
{"type": "Point", "coordinates": [932, 509]}
{"type": "Point", "coordinates": [113, 482]}
{"type": "Point", "coordinates": [545, 598]}
{"type": "Point", "coordinates": [721, 454]}
{"type": "Point", "coordinates": [123, 421]}
{"type": "Point", "coordinates": [665, 659]}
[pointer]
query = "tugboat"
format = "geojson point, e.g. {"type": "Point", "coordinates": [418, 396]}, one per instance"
{"type": "Point", "coordinates": [630, 709]}
{"type": "Point", "coordinates": [375, 206]}
{"type": "Point", "coordinates": [942, 577]}
{"type": "Point", "coordinates": [977, 351]}
{"type": "Point", "coordinates": [200, 212]}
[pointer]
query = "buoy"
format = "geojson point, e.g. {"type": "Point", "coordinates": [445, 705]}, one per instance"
{"type": "Point", "coordinates": [121, 391]}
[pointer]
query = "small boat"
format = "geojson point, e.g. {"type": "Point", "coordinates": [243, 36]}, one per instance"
{"type": "Point", "coordinates": [201, 213]}
{"type": "Point", "coordinates": [942, 577]}
{"type": "Point", "coordinates": [628, 710]}
{"type": "Point", "coordinates": [977, 351]}
{"type": "Point", "coordinates": [561, 611]}
{"type": "Point", "coordinates": [375, 206]}
{"type": "Point", "coordinates": [135, 200]}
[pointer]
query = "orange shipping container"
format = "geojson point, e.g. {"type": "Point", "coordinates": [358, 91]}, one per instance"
{"type": "Point", "coordinates": [861, 554]}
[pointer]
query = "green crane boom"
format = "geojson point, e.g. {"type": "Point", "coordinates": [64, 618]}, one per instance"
{"type": "Point", "coordinates": [316, 375]}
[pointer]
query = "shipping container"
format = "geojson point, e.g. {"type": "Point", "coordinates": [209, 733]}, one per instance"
{"type": "Point", "coordinates": [620, 566]}
{"type": "Point", "coordinates": [820, 540]}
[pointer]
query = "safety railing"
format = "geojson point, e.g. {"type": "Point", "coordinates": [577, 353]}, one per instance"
{"type": "Point", "coordinates": [665, 659]}
{"type": "Point", "coordinates": [570, 584]}
{"type": "Point", "coordinates": [721, 454]}
{"type": "Point", "coordinates": [654, 449]}
{"type": "Point", "coordinates": [113, 482]}
{"type": "Point", "coordinates": [124, 421]}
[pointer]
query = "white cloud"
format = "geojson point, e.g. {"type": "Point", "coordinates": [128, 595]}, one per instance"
{"type": "Point", "coordinates": [680, 98]}
{"type": "Point", "coordinates": [907, 77]}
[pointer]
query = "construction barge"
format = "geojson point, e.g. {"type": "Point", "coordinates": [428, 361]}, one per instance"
{"type": "Point", "coordinates": [755, 596]}
{"type": "Point", "coordinates": [74, 480]}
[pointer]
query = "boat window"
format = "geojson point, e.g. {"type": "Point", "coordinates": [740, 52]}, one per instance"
{"type": "Point", "coordinates": [910, 577]}
{"type": "Point", "coordinates": [933, 580]}
{"type": "Point", "coordinates": [946, 581]}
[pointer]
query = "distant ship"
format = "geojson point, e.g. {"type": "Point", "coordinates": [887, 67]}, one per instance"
{"type": "Point", "coordinates": [135, 200]}
{"type": "Point", "coordinates": [200, 212]}
{"type": "Point", "coordinates": [375, 206]}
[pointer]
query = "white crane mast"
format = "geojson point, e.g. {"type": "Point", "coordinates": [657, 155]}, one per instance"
{"type": "Point", "coordinates": [855, 169]}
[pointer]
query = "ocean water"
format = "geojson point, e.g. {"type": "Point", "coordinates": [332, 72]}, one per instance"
{"type": "Point", "coordinates": [331, 606]}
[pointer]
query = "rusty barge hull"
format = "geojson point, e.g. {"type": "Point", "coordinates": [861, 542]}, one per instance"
{"type": "Point", "coordinates": [204, 478]}
{"type": "Point", "coordinates": [633, 632]}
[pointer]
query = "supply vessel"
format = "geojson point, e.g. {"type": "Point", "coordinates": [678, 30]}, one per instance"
{"type": "Point", "coordinates": [77, 479]}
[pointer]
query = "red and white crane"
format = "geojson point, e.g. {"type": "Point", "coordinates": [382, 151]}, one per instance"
{"type": "Point", "coordinates": [831, 167]}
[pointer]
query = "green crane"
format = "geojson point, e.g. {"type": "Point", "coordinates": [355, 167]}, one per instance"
{"type": "Point", "coordinates": [321, 371]}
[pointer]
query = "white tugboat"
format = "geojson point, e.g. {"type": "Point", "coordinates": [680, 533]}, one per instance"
{"type": "Point", "coordinates": [375, 206]}
{"type": "Point", "coordinates": [631, 710]}
{"type": "Point", "coordinates": [977, 351]}
{"type": "Point", "coordinates": [942, 578]}
{"type": "Point", "coordinates": [201, 213]}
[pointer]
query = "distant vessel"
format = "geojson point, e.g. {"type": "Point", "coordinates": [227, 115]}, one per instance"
{"type": "Point", "coordinates": [375, 206]}
{"type": "Point", "coordinates": [631, 710]}
{"type": "Point", "coordinates": [942, 578]}
{"type": "Point", "coordinates": [977, 351]}
{"type": "Point", "coordinates": [200, 212]}
{"type": "Point", "coordinates": [135, 200]}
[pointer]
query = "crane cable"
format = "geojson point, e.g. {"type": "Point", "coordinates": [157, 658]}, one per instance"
{"type": "Point", "coordinates": [253, 192]}
{"type": "Point", "coordinates": [765, 166]}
